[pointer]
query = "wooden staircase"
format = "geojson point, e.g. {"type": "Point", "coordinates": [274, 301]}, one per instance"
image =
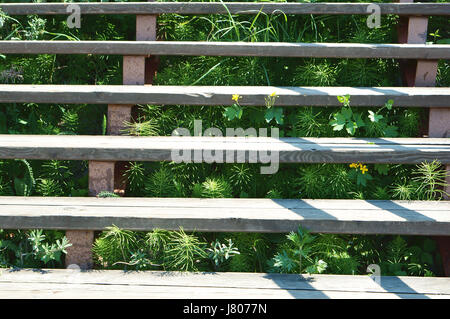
{"type": "Point", "coordinates": [81, 216]}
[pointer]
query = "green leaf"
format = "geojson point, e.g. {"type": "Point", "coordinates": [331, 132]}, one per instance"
{"type": "Point", "coordinates": [344, 99]}
{"type": "Point", "coordinates": [340, 119]}
{"type": "Point", "coordinates": [351, 127]}
{"type": "Point", "coordinates": [375, 117]}
{"type": "Point", "coordinates": [341, 99]}
{"type": "Point", "coordinates": [382, 169]}
{"type": "Point", "coordinates": [390, 131]}
{"type": "Point", "coordinates": [389, 104]}
{"type": "Point", "coordinates": [358, 119]}
{"type": "Point", "coordinates": [274, 113]}
{"type": "Point", "coordinates": [361, 179]}
{"type": "Point", "coordinates": [337, 127]}
{"type": "Point", "coordinates": [443, 41]}
{"type": "Point", "coordinates": [347, 113]}
{"type": "Point", "coordinates": [269, 114]}
{"type": "Point", "coordinates": [278, 114]}
{"type": "Point", "coordinates": [233, 112]}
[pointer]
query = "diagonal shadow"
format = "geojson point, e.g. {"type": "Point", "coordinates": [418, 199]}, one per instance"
{"type": "Point", "coordinates": [389, 284]}
{"type": "Point", "coordinates": [299, 286]}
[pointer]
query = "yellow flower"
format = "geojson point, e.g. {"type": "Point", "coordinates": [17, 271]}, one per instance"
{"type": "Point", "coordinates": [353, 165]}
{"type": "Point", "coordinates": [363, 169]}
{"type": "Point", "coordinates": [273, 94]}
{"type": "Point", "coordinates": [236, 97]}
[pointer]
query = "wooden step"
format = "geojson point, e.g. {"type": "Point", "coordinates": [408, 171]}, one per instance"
{"type": "Point", "coordinates": [227, 215]}
{"type": "Point", "coordinates": [222, 95]}
{"type": "Point", "coordinates": [116, 284]}
{"type": "Point", "coordinates": [225, 149]}
{"type": "Point", "coordinates": [233, 8]}
{"type": "Point", "coordinates": [202, 48]}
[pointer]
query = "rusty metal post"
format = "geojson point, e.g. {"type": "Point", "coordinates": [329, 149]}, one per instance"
{"type": "Point", "coordinates": [108, 176]}
{"type": "Point", "coordinates": [423, 73]}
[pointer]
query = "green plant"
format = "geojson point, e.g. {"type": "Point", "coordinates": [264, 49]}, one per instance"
{"type": "Point", "coordinates": [184, 252]}
{"type": "Point", "coordinates": [351, 120]}
{"type": "Point", "coordinates": [295, 257]}
{"type": "Point", "coordinates": [135, 174]}
{"type": "Point", "coordinates": [219, 253]}
{"type": "Point", "coordinates": [359, 173]}
{"type": "Point", "coordinates": [43, 250]}
{"type": "Point", "coordinates": [315, 74]}
{"type": "Point", "coordinates": [161, 184]}
{"type": "Point", "coordinates": [215, 188]}
{"type": "Point", "coordinates": [270, 113]}
{"type": "Point", "coordinates": [105, 194]}
{"type": "Point", "coordinates": [141, 127]}
{"type": "Point", "coordinates": [139, 260]}
{"type": "Point", "coordinates": [48, 187]}
{"type": "Point", "coordinates": [241, 176]}
{"type": "Point", "coordinates": [23, 182]}
{"type": "Point", "coordinates": [403, 190]}
{"type": "Point", "coordinates": [310, 123]}
{"type": "Point", "coordinates": [114, 245]}
{"type": "Point", "coordinates": [311, 181]}
{"type": "Point", "coordinates": [339, 181]}
{"type": "Point", "coordinates": [156, 243]}
{"type": "Point", "coordinates": [346, 118]}
{"type": "Point", "coordinates": [430, 178]}
{"type": "Point", "coordinates": [403, 260]}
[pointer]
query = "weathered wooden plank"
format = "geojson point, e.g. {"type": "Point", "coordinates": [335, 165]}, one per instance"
{"type": "Point", "coordinates": [60, 282]}
{"type": "Point", "coordinates": [222, 95]}
{"type": "Point", "coordinates": [223, 149]}
{"type": "Point", "coordinates": [228, 215]}
{"type": "Point", "coordinates": [234, 8]}
{"type": "Point", "coordinates": [242, 203]}
{"type": "Point", "coordinates": [201, 48]}
{"type": "Point", "coordinates": [75, 291]}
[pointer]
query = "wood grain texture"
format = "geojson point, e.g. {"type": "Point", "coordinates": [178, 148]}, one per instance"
{"type": "Point", "coordinates": [234, 8]}
{"type": "Point", "coordinates": [201, 48]}
{"type": "Point", "coordinates": [227, 215]}
{"type": "Point", "coordinates": [222, 95]}
{"type": "Point", "coordinates": [59, 283]}
{"type": "Point", "coordinates": [225, 149]}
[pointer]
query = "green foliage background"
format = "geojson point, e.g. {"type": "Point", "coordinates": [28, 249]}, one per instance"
{"type": "Point", "coordinates": [343, 254]}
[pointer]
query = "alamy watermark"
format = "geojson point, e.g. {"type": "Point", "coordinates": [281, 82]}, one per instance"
{"type": "Point", "coordinates": [375, 272]}
{"type": "Point", "coordinates": [374, 19]}
{"type": "Point", "coordinates": [74, 19]}
{"type": "Point", "coordinates": [232, 152]}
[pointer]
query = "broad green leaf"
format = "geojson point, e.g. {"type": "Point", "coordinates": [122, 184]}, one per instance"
{"type": "Point", "coordinates": [375, 117]}
{"type": "Point", "coordinates": [274, 113]}
{"type": "Point", "coordinates": [269, 115]}
{"type": "Point", "coordinates": [340, 119]}
{"type": "Point", "coordinates": [347, 113]}
{"type": "Point", "coordinates": [232, 112]}
{"type": "Point", "coordinates": [278, 114]}
{"type": "Point", "coordinates": [351, 127]}
{"type": "Point", "coordinates": [358, 119]}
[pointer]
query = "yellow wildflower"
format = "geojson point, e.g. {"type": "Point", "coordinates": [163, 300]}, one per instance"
{"type": "Point", "coordinates": [353, 165]}
{"type": "Point", "coordinates": [364, 169]}
{"type": "Point", "coordinates": [236, 97]}
{"type": "Point", "coordinates": [273, 94]}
